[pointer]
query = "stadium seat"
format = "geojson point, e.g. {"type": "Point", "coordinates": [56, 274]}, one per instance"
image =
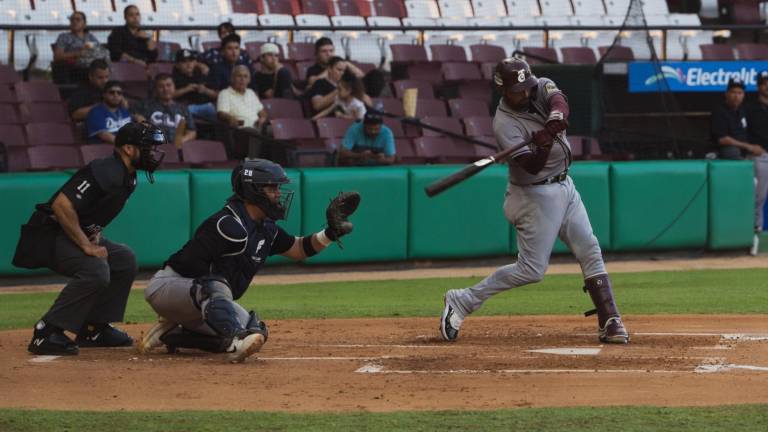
{"type": "Point", "coordinates": [448, 53]}
{"type": "Point", "coordinates": [283, 7]}
{"type": "Point", "coordinates": [43, 134]}
{"type": "Point", "coordinates": [9, 114]}
{"type": "Point", "coordinates": [461, 71]}
{"type": "Point", "coordinates": [204, 153]}
{"type": "Point", "coordinates": [428, 72]}
{"type": "Point", "coordinates": [319, 7]}
{"type": "Point", "coordinates": [431, 107]}
{"type": "Point", "coordinates": [555, 8]}
{"type": "Point", "coordinates": [133, 77]}
{"type": "Point", "coordinates": [389, 8]}
{"type": "Point", "coordinates": [523, 8]}
{"type": "Point", "coordinates": [13, 144]}
{"type": "Point", "coordinates": [278, 108]}
{"type": "Point", "coordinates": [408, 53]}
{"type": "Point", "coordinates": [483, 53]}
{"type": "Point", "coordinates": [444, 150]}
{"type": "Point", "coordinates": [465, 108]}
{"type": "Point", "coordinates": [745, 12]}
{"type": "Point", "coordinates": [12, 135]}
{"type": "Point", "coordinates": [37, 91]}
{"type": "Point", "coordinates": [301, 51]}
{"type": "Point", "coordinates": [482, 151]}
{"type": "Point", "coordinates": [588, 8]}
{"type": "Point", "coordinates": [44, 158]}
{"type": "Point", "coordinates": [293, 128]}
{"type": "Point", "coordinates": [422, 9]}
{"type": "Point", "coordinates": [98, 6]}
{"type": "Point", "coordinates": [616, 8]}
{"type": "Point", "coordinates": [389, 105]}
{"type": "Point", "coordinates": [302, 67]}
{"type": "Point", "coordinates": [405, 154]}
{"type": "Point", "coordinates": [476, 90]}
{"type": "Point", "coordinates": [489, 8]}
{"type": "Point", "coordinates": [752, 51]}
{"type": "Point", "coordinates": [247, 7]}
{"type": "Point", "coordinates": [8, 75]}
{"type": "Point", "coordinates": [144, 6]}
{"type": "Point", "coordinates": [455, 8]}
{"type": "Point", "coordinates": [539, 55]}
{"type": "Point", "coordinates": [396, 126]}
{"type": "Point", "coordinates": [166, 51]}
{"type": "Point", "coordinates": [425, 90]}
{"type": "Point", "coordinates": [487, 70]}
{"type": "Point", "coordinates": [617, 54]}
{"type": "Point", "coordinates": [51, 112]}
{"type": "Point", "coordinates": [210, 45]}
{"type": "Point", "coordinates": [717, 52]}
{"type": "Point", "coordinates": [351, 8]}
{"type": "Point", "coordinates": [89, 152]}
{"type": "Point", "coordinates": [154, 69]}
{"type": "Point", "coordinates": [331, 127]}
{"type": "Point", "coordinates": [481, 125]}
{"type": "Point", "coordinates": [449, 124]}
{"type": "Point", "coordinates": [172, 159]}
{"type": "Point", "coordinates": [578, 55]}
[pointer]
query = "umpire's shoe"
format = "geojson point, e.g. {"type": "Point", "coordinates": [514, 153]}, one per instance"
{"type": "Point", "coordinates": [49, 340]}
{"type": "Point", "coordinates": [102, 335]}
{"type": "Point", "coordinates": [450, 321]}
{"type": "Point", "coordinates": [244, 346]}
{"type": "Point", "coordinates": [151, 339]}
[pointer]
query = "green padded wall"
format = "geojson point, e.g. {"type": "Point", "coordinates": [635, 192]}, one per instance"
{"type": "Point", "coordinates": [592, 180]}
{"type": "Point", "coordinates": [155, 220]}
{"type": "Point", "coordinates": [464, 221]}
{"type": "Point", "coordinates": [211, 188]}
{"type": "Point", "coordinates": [381, 221]}
{"type": "Point", "coordinates": [731, 204]}
{"type": "Point", "coordinates": [20, 192]}
{"type": "Point", "coordinates": [649, 199]}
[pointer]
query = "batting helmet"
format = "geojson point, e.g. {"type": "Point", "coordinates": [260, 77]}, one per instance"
{"type": "Point", "coordinates": [249, 179]}
{"type": "Point", "coordinates": [514, 74]}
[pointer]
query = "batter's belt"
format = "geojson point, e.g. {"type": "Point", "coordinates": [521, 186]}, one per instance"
{"type": "Point", "coordinates": [557, 178]}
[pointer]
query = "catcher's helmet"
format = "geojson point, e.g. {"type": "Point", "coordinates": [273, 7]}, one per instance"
{"type": "Point", "coordinates": [146, 137]}
{"type": "Point", "coordinates": [248, 180]}
{"type": "Point", "coordinates": [514, 74]}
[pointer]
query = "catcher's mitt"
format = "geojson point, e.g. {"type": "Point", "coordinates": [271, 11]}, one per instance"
{"type": "Point", "coordinates": [338, 212]}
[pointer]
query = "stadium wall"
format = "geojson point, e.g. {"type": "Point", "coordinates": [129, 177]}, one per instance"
{"type": "Point", "coordinates": [633, 206]}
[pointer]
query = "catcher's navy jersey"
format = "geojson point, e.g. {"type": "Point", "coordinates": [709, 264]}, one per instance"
{"type": "Point", "coordinates": [232, 245]}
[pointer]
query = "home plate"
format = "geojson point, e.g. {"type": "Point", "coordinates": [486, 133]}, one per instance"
{"type": "Point", "coordinates": [569, 351]}
{"type": "Point", "coordinates": [43, 358]}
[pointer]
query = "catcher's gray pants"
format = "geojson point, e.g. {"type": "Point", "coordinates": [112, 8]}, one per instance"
{"type": "Point", "coordinates": [169, 295]}
{"type": "Point", "coordinates": [540, 214]}
{"type": "Point", "coordinates": [761, 188]}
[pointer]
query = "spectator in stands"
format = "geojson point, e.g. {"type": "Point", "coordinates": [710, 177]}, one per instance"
{"type": "Point", "coordinates": [89, 94]}
{"type": "Point", "coordinates": [165, 113]}
{"type": "Point", "coordinates": [190, 86]}
{"type": "Point", "coordinates": [130, 43]}
{"type": "Point", "coordinates": [757, 126]}
{"type": "Point", "coordinates": [238, 105]}
{"type": "Point", "coordinates": [214, 55]}
{"type": "Point", "coordinates": [78, 47]}
{"type": "Point", "coordinates": [323, 92]}
{"type": "Point", "coordinates": [349, 100]}
{"type": "Point", "coordinates": [368, 142]}
{"type": "Point", "coordinates": [324, 52]}
{"type": "Point", "coordinates": [106, 118]}
{"type": "Point", "coordinates": [273, 79]}
{"type": "Point", "coordinates": [218, 77]}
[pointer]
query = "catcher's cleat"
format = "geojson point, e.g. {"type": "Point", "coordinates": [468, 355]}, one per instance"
{"type": "Point", "coordinates": [102, 336]}
{"type": "Point", "coordinates": [450, 321]}
{"type": "Point", "coordinates": [613, 331]}
{"type": "Point", "coordinates": [245, 346]}
{"type": "Point", "coordinates": [151, 340]}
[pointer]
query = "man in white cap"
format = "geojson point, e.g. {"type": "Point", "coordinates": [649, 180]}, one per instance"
{"type": "Point", "coordinates": [272, 79]}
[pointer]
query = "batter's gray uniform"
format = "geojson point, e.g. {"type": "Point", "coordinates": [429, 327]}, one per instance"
{"type": "Point", "coordinates": [540, 213]}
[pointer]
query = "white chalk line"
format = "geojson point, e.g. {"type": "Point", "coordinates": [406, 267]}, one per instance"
{"type": "Point", "coordinates": [378, 369]}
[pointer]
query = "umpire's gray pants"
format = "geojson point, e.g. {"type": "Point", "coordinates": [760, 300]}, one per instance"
{"type": "Point", "coordinates": [170, 296]}
{"type": "Point", "coordinates": [761, 188]}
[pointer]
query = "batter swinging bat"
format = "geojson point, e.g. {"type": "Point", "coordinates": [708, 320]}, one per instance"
{"type": "Point", "coordinates": [469, 170]}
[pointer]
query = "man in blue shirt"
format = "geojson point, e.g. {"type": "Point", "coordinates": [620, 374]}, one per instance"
{"type": "Point", "coordinates": [218, 76]}
{"type": "Point", "coordinates": [106, 118]}
{"type": "Point", "coordinates": [368, 143]}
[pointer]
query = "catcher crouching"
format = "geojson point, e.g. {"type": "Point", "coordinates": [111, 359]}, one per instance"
{"type": "Point", "coordinates": [194, 293]}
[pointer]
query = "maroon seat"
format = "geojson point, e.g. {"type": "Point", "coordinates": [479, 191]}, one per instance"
{"type": "Point", "coordinates": [13, 144]}
{"type": "Point", "coordinates": [43, 134]}
{"type": "Point", "coordinates": [449, 124]}
{"type": "Point", "coordinates": [53, 157]}
{"type": "Point", "coordinates": [461, 71]}
{"type": "Point", "coordinates": [752, 51]}
{"type": "Point", "coordinates": [480, 90]}
{"type": "Point", "coordinates": [487, 69]}
{"type": "Point", "coordinates": [51, 112]}
{"type": "Point", "coordinates": [317, 7]}
{"type": "Point", "coordinates": [542, 55]}
{"type": "Point", "coordinates": [396, 126]}
{"type": "Point", "coordinates": [172, 158]}
{"type": "Point", "coordinates": [301, 51]}
{"type": "Point", "coordinates": [585, 147]}
{"type": "Point", "coordinates": [479, 125]}
{"type": "Point", "coordinates": [485, 151]}
{"type": "Point", "coordinates": [155, 69]}
{"type": "Point", "coordinates": [287, 7]}
{"type": "Point", "coordinates": [717, 52]}
{"type": "Point", "coordinates": [429, 72]}
{"type": "Point", "coordinates": [204, 153]}
{"type": "Point", "coordinates": [577, 147]}
{"type": "Point", "coordinates": [364, 67]}
{"type": "Point", "coordinates": [9, 114]}
{"type": "Point", "coordinates": [578, 55]}
{"type": "Point", "coordinates": [617, 54]}
{"type": "Point", "coordinates": [332, 127]}
{"type": "Point", "coordinates": [425, 89]}
{"type": "Point", "coordinates": [13, 135]}
{"type": "Point", "coordinates": [483, 53]}
{"type": "Point", "coordinates": [431, 107]}
{"type": "Point", "coordinates": [389, 105]}
{"type": "Point", "coordinates": [278, 108]}
{"type": "Point", "coordinates": [408, 53]}
{"type": "Point", "coordinates": [37, 91]}
{"type": "Point", "coordinates": [8, 75]}
{"type": "Point", "coordinates": [89, 152]}
{"type": "Point", "coordinates": [302, 67]}
{"type": "Point", "coordinates": [210, 44]}
{"type": "Point", "coordinates": [166, 51]}
{"type": "Point", "coordinates": [353, 8]}
{"type": "Point", "coordinates": [245, 6]}
{"type": "Point", "coordinates": [124, 72]}
{"type": "Point", "coordinates": [462, 108]}
{"type": "Point", "coordinates": [405, 153]}
{"type": "Point", "coordinates": [444, 150]}
{"type": "Point", "coordinates": [293, 128]}
{"type": "Point", "coordinates": [389, 8]}
{"type": "Point", "coordinates": [745, 12]}
{"type": "Point", "coordinates": [448, 53]}
{"type": "Point", "coordinates": [7, 95]}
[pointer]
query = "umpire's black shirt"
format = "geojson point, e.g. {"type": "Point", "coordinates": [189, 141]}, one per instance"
{"type": "Point", "coordinates": [757, 122]}
{"type": "Point", "coordinates": [232, 245]}
{"type": "Point", "coordinates": [98, 192]}
{"type": "Point", "coordinates": [732, 123]}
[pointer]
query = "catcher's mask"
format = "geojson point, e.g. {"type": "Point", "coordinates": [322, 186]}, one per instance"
{"type": "Point", "coordinates": [249, 180]}
{"type": "Point", "coordinates": [146, 137]}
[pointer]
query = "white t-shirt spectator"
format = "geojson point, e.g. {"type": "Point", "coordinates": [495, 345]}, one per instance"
{"type": "Point", "coordinates": [243, 106]}
{"type": "Point", "coordinates": [354, 106]}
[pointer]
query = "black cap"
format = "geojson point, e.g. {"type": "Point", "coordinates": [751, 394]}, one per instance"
{"type": "Point", "coordinates": [735, 82]}
{"type": "Point", "coordinates": [185, 54]}
{"type": "Point", "coordinates": [762, 77]}
{"type": "Point", "coordinates": [372, 117]}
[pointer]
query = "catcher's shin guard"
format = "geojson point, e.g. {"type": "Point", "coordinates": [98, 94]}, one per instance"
{"type": "Point", "coordinates": [610, 327]}
{"type": "Point", "coordinates": [183, 338]}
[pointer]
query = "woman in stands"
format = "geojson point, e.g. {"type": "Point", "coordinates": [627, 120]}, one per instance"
{"type": "Point", "coordinates": [77, 48]}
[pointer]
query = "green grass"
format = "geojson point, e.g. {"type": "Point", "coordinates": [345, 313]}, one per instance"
{"type": "Point", "coordinates": [741, 418]}
{"type": "Point", "coordinates": [684, 292]}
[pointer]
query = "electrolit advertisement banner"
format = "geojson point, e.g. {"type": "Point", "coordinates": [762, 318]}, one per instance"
{"type": "Point", "coordinates": [705, 76]}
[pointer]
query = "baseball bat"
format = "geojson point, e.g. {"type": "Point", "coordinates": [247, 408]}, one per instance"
{"type": "Point", "coordinates": [468, 171]}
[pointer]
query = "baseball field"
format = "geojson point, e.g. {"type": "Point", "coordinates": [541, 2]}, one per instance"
{"type": "Point", "coordinates": [361, 350]}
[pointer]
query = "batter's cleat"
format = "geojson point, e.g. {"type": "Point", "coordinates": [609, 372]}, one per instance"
{"type": "Point", "coordinates": [102, 336]}
{"type": "Point", "coordinates": [151, 339]}
{"type": "Point", "coordinates": [52, 342]}
{"type": "Point", "coordinates": [613, 331]}
{"type": "Point", "coordinates": [245, 346]}
{"type": "Point", "coordinates": [450, 321]}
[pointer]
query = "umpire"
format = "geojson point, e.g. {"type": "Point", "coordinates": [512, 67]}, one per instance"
{"type": "Point", "coordinates": [64, 235]}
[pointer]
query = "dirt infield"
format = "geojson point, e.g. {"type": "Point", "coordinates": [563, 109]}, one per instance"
{"type": "Point", "coordinates": [399, 364]}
